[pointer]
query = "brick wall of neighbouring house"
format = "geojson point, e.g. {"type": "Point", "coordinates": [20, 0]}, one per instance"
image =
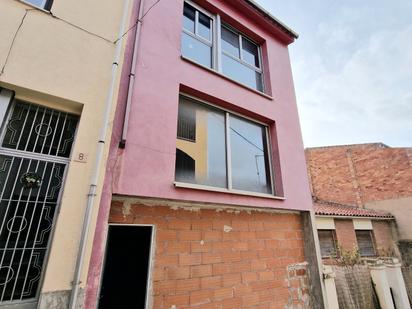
{"type": "Point", "coordinates": [358, 174]}
{"type": "Point", "coordinates": [330, 175]}
{"type": "Point", "coordinates": [208, 258]}
{"type": "Point", "coordinates": [345, 233]}
{"type": "Point", "coordinates": [382, 232]}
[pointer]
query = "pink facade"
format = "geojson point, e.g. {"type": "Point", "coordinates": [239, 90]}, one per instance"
{"type": "Point", "coordinates": [146, 166]}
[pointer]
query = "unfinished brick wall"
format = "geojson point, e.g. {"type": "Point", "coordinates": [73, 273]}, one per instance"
{"type": "Point", "coordinates": [384, 174]}
{"type": "Point", "coordinates": [358, 174]}
{"type": "Point", "coordinates": [299, 286]}
{"type": "Point", "coordinates": [222, 259]}
{"type": "Point", "coordinates": [345, 233]}
{"type": "Point", "coordinates": [330, 175]}
{"type": "Point", "coordinates": [382, 232]}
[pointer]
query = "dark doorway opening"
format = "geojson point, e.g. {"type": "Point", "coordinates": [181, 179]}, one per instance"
{"type": "Point", "coordinates": [126, 268]}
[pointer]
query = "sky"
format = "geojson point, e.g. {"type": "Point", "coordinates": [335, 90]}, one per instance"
{"type": "Point", "coordinates": [352, 68]}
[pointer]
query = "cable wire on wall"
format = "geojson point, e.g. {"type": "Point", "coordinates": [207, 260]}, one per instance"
{"type": "Point", "coordinates": [72, 25]}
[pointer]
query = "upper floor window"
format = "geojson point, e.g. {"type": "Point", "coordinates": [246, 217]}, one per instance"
{"type": "Point", "coordinates": [239, 58]}
{"type": "Point", "coordinates": [197, 35]}
{"type": "Point", "coordinates": [44, 4]}
{"type": "Point", "coordinates": [227, 151]}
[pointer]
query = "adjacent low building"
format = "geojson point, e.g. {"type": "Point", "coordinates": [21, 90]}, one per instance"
{"type": "Point", "coordinates": [362, 197]}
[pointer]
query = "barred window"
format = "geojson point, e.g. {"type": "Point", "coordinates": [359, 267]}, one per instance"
{"type": "Point", "coordinates": [327, 242]}
{"type": "Point", "coordinates": [365, 242]}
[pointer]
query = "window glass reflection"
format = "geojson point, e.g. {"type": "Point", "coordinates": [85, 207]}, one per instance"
{"type": "Point", "coordinates": [204, 29]}
{"type": "Point", "coordinates": [196, 50]}
{"type": "Point", "coordinates": [249, 156]}
{"type": "Point", "coordinates": [189, 18]}
{"type": "Point", "coordinates": [201, 160]}
{"type": "Point", "coordinates": [250, 53]}
{"type": "Point", "coordinates": [230, 42]}
{"type": "Point", "coordinates": [241, 73]}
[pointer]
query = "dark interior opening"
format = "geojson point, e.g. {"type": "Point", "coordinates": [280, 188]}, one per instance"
{"type": "Point", "coordinates": [126, 267]}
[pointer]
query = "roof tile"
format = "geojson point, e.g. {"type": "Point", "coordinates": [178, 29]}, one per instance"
{"type": "Point", "coordinates": [335, 209]}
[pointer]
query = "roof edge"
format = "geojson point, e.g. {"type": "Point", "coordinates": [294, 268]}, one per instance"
{"type": "Point", "coordinates": [265, 13]}
{"type": "Point", "coordinates": [376, 213]}
{"type": "Point", "coordinates": [354, 217]}
{"type": "Point", "coordinates": [378, 144]}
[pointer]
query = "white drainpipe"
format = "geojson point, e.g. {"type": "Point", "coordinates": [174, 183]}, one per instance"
{"type": "Point", "coordinates": [132, 76]}
{"type": "Point", "coordinates": [98, 162]}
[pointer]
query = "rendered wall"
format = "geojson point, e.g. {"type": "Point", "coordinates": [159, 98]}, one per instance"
{"type": "Point", "coordinates": [59, 65]}
{"type": "Point", "coordinates": [401, 208]}
{"type": "Point", "coordinates": [146, 166]}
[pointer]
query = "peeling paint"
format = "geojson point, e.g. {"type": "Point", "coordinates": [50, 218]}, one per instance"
{"type": "Point", "coordinates": [126, 209]}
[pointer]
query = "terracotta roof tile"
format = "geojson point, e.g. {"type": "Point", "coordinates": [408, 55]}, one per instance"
{"type": "Point", "coordinates": [335, 209]}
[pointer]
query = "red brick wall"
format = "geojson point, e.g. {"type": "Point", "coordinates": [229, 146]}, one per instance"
{"type": "Point", "coordinates": [383, 236]}
{"type": "Point", "coordinates": [330, 175]}
{"type": "Point", "coordinates": [199, 263]}
{"type": "Point", "coordinates": [345, 233]}
{"type": "Point", "coordinates": [384, 174]}
{"type": "Point", "coordinates": [358, 174]}
{"type": "Point", "coordinates": [346, 237]}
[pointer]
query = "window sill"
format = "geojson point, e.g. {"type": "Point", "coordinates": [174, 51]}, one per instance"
{"type": "Point", "coordinates": [227, 78]}
{"type": "Point", "coordinates": [223, 190]}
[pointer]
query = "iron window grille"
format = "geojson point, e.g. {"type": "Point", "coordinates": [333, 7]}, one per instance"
{"type": "Point", "coordinates": [35, 150]}
{"type": "Point", "coordinates": [186, 125]}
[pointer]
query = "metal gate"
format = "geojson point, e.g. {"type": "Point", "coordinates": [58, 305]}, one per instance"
{"type": "Point", "coordinates": [35, 148]}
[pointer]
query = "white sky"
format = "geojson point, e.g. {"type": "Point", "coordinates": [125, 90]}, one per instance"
{"type": "Point", "coordinates": [352, 67]}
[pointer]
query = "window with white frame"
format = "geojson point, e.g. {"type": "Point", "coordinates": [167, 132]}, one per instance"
{"type": "Point", "coordinates": [241, 58]}
{"type": "Point", "coordinates": [227, 151]}
{"type": "Point", "coordinates": [43, 4]}
{"type": "Point", "coordinates": [197, 38]}
{"type": "Point", "coordinates": [237, 56]}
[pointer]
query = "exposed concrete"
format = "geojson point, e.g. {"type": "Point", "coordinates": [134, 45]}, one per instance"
{"type": "Point", "coordinates": [58, 300]}
{"type": "Point", "coordinates": [19, 306]}
{"type": "Point", "coordinates": [312, 255]}
{"type": "Point", "coordinates": [330, 287]}
{"type": "Point", "coordinates": [298, 284]}
{"type": "Point", "coordinates": [193, 206]}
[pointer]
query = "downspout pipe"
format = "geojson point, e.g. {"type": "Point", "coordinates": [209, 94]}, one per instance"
{"type": "Point", "coordinates": [122, 143]}
{"type": "Point", "coordinates": [73, 304]}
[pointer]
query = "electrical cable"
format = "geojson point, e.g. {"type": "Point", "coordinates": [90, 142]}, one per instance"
{"type": "Point", "coordinates": [12, 42]}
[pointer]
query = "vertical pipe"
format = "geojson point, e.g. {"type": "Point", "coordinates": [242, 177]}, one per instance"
{"type": "Point", "coordinates": [132, 76]}
{"type": "Point", "coordinates": [98, 161]}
